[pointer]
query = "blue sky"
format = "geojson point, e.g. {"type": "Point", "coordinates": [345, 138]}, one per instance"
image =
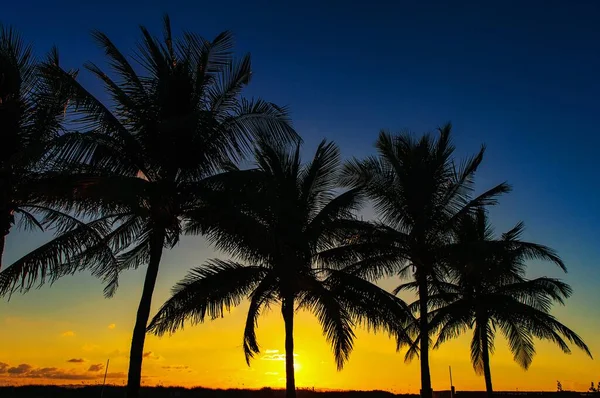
{"type": "Point", "coordinates": [521, 77]}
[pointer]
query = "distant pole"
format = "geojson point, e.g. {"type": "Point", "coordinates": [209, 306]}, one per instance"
{"type": "Point", "coordinates": [451, 383]}
{"type": "Point", "coordinates": [104, 382]}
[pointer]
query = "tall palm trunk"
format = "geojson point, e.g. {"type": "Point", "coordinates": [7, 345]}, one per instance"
{"type": "Point", "coordinates": [485, 348]}
{"type": "Point", "coordinates": [134, 375]}
{"type": "Point", "coordinates": [287, 310]}
{"type": "Point", "coordinates": [426, 391]}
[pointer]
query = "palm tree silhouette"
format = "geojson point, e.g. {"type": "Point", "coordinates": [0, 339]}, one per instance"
{"type": "Point", "coordinates": [488, 291]}
{"type": "Point", "coordinates": [146, 163]}
{"type": "Point", "coordinates": [275, 219]}
{"type": "Point", "coordinates": [32, 114]}
{"type": "Point", "coordinates": [419, 194]}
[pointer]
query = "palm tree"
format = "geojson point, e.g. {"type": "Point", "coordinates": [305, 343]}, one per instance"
{"type": "Point", "coordinates": [29, 122]}
{"type": "Point", "coordinates": [419, 194]}
{"type": "Point", "coordinates": [32, 115]}
{"type": "Point", "coordinates": [287, 214]}
{"type": "Point", "coordinates": [488, 290]}
{"type": "Point", "coordinates": [147, 161]}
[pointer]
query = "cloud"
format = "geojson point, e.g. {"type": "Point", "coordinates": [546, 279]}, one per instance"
{"type": "Point", "coordinates": [112, 326]}
{"type": "Point", "coordinates": [68, 333]}
{"type": "Point", "coordinates": [271, 373]}
{"type": "Point", "coordinates": [152, 355]}
{"type": "Point", "coordinates": [27, 371]}
{"type": "Point", "coordinates": [176, 367]}
{"type": "Point", "coordinates": [95, 367]}
{"type": "Point", "coordinates": [76, 360]}
{"type": "Point", "coordinates": [56, 373]}
{"type": "Point", "coordinates": [19, 370]}
{"type": "Point", "coordinates": [275, 357]}
{"type": "Point", "coordinates": [271, 351]}
{"type": "Point", "coordinates": [117, 375]}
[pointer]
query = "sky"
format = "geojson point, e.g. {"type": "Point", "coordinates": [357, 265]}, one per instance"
{"type": "Point", "coordinates": [521, 77]}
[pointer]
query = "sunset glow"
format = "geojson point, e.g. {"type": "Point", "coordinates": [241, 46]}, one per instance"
{"type": "Point", "coordinates": [516, 82]}
{"type": "Point", "coordinates": [48, 330]}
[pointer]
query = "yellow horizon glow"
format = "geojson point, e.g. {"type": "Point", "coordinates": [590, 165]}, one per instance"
{"type": "Point", "coordinates": [47, 328]}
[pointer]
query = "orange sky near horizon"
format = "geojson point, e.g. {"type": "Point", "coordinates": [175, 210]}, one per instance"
{"type": "Point", "coordinates": [65, 333]}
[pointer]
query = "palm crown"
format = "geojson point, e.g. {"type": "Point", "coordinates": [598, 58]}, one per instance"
{"type": "Point", "coordinates": [488, 290]}
{"type": "Point", "coordinates": [287, 214]}
{"type": "Point", "coordinates": [419, 194]}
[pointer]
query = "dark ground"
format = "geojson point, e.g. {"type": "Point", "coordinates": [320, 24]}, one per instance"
{"type": "Point", "coordinates": [179, 392]}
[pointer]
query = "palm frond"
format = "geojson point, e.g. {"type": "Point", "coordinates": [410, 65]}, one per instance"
{"type": "Point", "coordinates": [519, 339]}
{"type": "Point", "coordinates": [60, 256]}
{"type": "Point", "coordinates": [319, 176]}
{"type": "Point", "coordinates": [261, 297]}
{"type": "Point", "coordinates": [207, 290]}
{"type": "Point", "coordinates": [334, 319]}
{"type": "Point", "coordinates": [370, 306]}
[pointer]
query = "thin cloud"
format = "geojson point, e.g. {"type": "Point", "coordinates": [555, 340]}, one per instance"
{"type": "Point", "coordinates": [27, 371]}
{"type": "Point", "coordinates": [271, 351]}
{"type": "Point", "coordinates": [95, 367]}
{"type": "Point", "coordinates": [76, 360]}
{"type": "Point", "coordinates": [68, 333]}
{"type": "Point", "coordinates": [152, 355]}
{"type": "Point", "coordinates": [117, 375]}
{"type": "Point", "coordinates": [112, 326]}
{"type": "Point", "coordinates": [271, 373]}
{"type": "Point", "coordinates": [57, 374]}
{"type": "Point", "coordinates": [176, 367]}
{"type": "Point", "coordinates": [275, 357]}
{"type": "Point", "coordinates": [19, 370]}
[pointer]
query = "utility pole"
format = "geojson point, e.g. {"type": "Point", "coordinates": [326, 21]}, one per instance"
{"type": "Point", "coordinates": [451, 384]}
{"type": "Point", "coordinates": [104, 382]}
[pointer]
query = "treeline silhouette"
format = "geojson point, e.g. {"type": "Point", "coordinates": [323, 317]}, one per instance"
{"type": "Point", "coordinates": [119, 183]}
{"type": "Point", "coordinates": [180, 392]}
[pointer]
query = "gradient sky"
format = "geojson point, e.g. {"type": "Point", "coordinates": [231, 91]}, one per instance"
{"type": "Point", "coordinates": [522, 77]}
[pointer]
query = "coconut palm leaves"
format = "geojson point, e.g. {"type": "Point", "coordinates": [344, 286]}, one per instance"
{"type": "Point", "coordinates": [145, 162]}
{"type": "Point", "coordinates": [488, 292]}
{"type": "Point", "coordinates": [29, 122]}
{"type": "Point", "coordinates": [275, 226]}
{"type": "Point", "coordinates": [419, 195]}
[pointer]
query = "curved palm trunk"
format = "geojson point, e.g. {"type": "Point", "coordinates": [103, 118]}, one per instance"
{"type": "Point", "coordinates": [485, 348]}
{"type": "Point", "coordinates": [134, 375]}
{"type": "Point", "coordinates": [287, 310]}
{"type": "Point", "coordinates": [426, 391]}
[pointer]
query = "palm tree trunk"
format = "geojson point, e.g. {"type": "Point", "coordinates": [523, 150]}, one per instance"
{"type": "Point", "coordinates": [287, 310]}
{"type": "Point", "coordinates": [426, 391]}
{"type": "Point", "coordinates": [134, 375]}
{"type": "Point", "coordinates": [487, 372]}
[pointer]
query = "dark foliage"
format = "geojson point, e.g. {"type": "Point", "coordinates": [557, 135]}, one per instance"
{"type": "Point", "coordinates": [287, 214]}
